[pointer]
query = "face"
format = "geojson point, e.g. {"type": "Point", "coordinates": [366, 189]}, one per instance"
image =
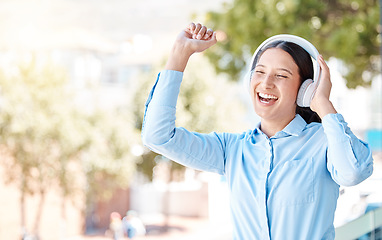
{"type": "Point", "coordinates": [274, 84]}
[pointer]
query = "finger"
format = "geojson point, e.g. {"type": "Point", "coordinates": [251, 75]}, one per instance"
{"type": "Point", "coordinates": [324, 68]}
{"type": "Point", "coordinates": [322, 62]}
{"type": "Point", "coordinates": [190, 28]}
{"type": "Point", "coordinates": [201, 33]}
{"type": "Point", "coordinates": [198, 26]}
{"type": "Point", "coordinates": [212, 39]}
{"type": "Point", "coordinates": [208, 33]}
{"type": "Point", "coordinates": [203, 45]}
{"type": "Point", "coordinates": [325, 83]}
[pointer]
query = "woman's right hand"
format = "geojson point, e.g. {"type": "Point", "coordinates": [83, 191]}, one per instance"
{"type": "Point", "coordinates": [195, 38]}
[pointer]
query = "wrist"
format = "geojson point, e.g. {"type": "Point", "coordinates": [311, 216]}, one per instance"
{"type": "Point", "coordinates": [323, 108]}
{"type": "Point", "coordinates": [178, 58]}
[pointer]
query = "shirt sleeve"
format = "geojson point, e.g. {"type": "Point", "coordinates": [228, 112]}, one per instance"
{"type": "Point", "coordinates": [200, 151]}
{"type": "Point", "coordinates": [349, 160]}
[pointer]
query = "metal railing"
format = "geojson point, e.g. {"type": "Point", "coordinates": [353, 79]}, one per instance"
{"type": "Point", "coordinates": [366, 224]}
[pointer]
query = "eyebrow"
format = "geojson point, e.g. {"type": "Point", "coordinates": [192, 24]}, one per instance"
{"type": "Point", "coordinates": [282, 69]}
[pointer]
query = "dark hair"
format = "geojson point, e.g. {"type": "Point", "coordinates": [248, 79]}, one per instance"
{"type": "Point", "coordinates": [304, 63]}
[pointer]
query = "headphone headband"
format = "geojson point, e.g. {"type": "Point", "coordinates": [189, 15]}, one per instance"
{"type": "Point", "coordinates": [307, 46]}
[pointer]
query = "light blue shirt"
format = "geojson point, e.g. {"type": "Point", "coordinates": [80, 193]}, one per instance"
{"type": "Point", "coordinates": [284, 187]}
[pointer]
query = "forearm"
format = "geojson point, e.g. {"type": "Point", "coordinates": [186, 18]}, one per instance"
{"type": "Point", "coordinates": [349, 159]}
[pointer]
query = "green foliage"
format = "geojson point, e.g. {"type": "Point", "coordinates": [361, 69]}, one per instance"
{"type": "Point", "coordinates": [107, 161]}
{"type": "Point", "coordinates": [347, 30]}
{"type": "Point", "coordinates": [49, 142]}
{"type": "Point", "coordinates": [31, 126]}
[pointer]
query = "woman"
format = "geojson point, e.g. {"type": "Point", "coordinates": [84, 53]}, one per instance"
{"type": "Point", "coordinates": [284, 175]}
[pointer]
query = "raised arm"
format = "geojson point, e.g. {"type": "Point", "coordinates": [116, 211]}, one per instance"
{"type": "Point", "coordinates": [196, 150]}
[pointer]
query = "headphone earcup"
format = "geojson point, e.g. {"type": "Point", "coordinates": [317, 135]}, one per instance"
{"type": "Point", "coordinates": [303, 99]}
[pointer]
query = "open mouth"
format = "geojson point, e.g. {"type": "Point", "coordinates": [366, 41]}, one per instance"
{"type": "Point", "coordinates": [266, 98]}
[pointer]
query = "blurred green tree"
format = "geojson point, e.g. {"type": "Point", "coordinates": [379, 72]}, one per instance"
{"type": "Point", "coordinates": [49, 143]}
{"type": "Point", "coordinates": [31, 111]}
{"type": "Point", "coordinates": [107, 162]}
{"type": "Point", "coordinates": [347, 30]}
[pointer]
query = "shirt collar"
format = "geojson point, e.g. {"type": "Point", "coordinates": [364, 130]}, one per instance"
{"type": "Point", "coordinates": [295, 127]}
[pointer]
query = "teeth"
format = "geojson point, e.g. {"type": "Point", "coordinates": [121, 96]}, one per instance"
{"type": "Point", "coordinates": [268, 96]}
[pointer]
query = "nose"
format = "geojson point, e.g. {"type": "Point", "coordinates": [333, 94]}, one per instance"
{"type": "Point", "coordinates": [267, 81]}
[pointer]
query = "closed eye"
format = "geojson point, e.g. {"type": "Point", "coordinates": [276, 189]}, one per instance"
{"type": "Point", "coordinates": [281, 76]}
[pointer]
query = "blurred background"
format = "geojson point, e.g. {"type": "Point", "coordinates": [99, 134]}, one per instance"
{"type": "Point", "coordinates": [74, 78]}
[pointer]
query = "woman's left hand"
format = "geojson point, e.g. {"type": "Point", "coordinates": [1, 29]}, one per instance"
{"type": "Point", "coordinates": [320, 102]}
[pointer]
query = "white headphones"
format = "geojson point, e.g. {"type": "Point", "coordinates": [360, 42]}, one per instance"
{"type": "Point", "coordinates": [309, 86]}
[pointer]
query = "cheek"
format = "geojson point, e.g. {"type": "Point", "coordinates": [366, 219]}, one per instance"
{"type": "Point", "coordinates": [252, 88]}
{"type": "Point", "coordinates": [255, 81]}
{"type": "Point", "coordinates": [292, 92]}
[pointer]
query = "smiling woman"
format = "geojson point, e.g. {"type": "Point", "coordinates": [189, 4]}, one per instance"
{"type": "Point", "coordinates": [284, 175]}
{"type": "Point", "coordinates": [275, 83]}
{"type": "Point", "coordinates": [292, 64]}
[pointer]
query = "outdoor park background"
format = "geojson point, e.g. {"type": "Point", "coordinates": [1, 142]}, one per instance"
{"type": "Point", "coordinates": [74, 77]}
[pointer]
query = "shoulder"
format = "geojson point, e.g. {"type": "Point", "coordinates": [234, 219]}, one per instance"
{"type": "Point", "coordinates": [315, 131]}
{"type": "Point", "coordinates": [232, 138]}
{"type": "Point", "coordinates": [329, 120]}
{"type": "Point", "coordinates": [313, 126]}
{"type": "Point", "coordinates": [226, 136]}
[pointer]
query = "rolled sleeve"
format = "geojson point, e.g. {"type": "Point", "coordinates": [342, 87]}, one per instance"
{"type": "Point", "coordinates": [166, 89]}
{"type": "Point", "coordinates": [159, 117]}
{"type": "Point", "coordinates": [349, 160]}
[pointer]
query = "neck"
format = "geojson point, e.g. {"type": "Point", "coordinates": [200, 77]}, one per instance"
{"type": "Point", "coordinates": [271, 127]}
